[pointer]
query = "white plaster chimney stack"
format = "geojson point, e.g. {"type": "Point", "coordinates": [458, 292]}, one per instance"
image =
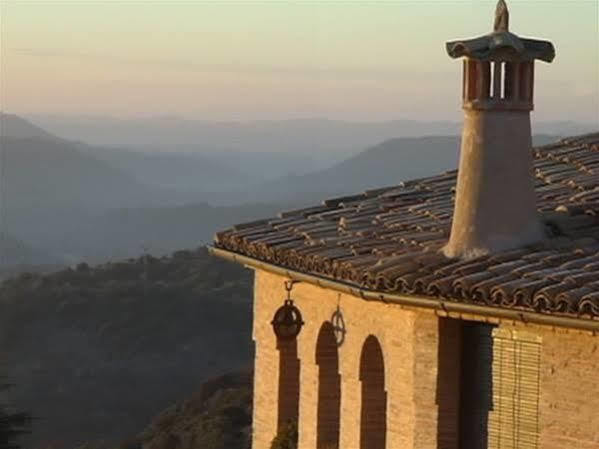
{"type": "Point", "coordinates": [495, 206]}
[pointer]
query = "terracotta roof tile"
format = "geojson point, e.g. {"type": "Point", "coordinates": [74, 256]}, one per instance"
{"type": "Point", "coordinates": [388, 240]}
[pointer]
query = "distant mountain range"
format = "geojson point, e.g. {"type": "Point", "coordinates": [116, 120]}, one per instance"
{"type": "Point", "coordinates": [38, 164]}
{"type": "Point", "coordinates": [80, 201]}
{"type": "Point", "coordinates": [304, 136]}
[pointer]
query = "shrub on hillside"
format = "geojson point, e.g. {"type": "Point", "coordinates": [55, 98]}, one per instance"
{"type": "Point", "coordinates": [286, 438]}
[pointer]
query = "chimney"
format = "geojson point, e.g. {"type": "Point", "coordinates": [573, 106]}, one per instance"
{"type": "Point", "coordinates": [495, 205]}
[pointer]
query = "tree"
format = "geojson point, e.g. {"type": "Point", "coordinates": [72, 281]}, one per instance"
{"type": "Point", "coordinates": [12, 425]}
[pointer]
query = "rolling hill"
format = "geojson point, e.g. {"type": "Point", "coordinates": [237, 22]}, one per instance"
{"type": "Point", "coordinates": [95, 352]}
{"type": "Point", "coordinates": [49, 186]}
{"type": "Point", "coordinates": [217, 416]}
{"type": "Point", "coordinates": [128, 232]}
{"type": "Point", "coordinates": [44, 172]}
{"type": "Point", "coordinates": [16, 127]}
{"type": "Point", "coordinates": [387, 163]}
{"type": "Point", "coordinates": [184, 174]}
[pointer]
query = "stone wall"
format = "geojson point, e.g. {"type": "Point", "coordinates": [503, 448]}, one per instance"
{"type": "Point", "coordinates": [569, 403]}
{"type": "Point", "coordinates": [422, 407]}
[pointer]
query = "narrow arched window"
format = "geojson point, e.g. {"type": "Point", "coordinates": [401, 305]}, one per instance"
{"type": "Point", "coordinates": [289, 382]}
{"type": "Point", "coordinates": [329, 389]}
{"type": "Point", "coordinates": [373, 415]}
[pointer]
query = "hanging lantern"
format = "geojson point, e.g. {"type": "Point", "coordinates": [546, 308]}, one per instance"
{"type": "Point", "coordinates": [287, 322]}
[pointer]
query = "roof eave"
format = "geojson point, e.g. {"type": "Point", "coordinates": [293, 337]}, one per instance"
{"type": "Point", "coordinates": [440, 305]}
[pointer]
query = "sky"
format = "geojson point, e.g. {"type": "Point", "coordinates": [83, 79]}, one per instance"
{"type": "Point", "coordinates": [246, 60]}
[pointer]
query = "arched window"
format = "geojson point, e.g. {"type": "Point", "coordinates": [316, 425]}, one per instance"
{"type": "Point", "coordinates": [289, 382]}
{"type": "Point", "coordinates": [373, 415]}
{"type": "Point", "coordinates": [329, 389]}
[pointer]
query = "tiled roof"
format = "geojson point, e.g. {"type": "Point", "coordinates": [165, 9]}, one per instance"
{"type": "Point", "coordinates": [388, 240]}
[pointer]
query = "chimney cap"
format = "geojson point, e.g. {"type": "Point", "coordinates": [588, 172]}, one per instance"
{"type": "Point", "coordinates": [501, 43]}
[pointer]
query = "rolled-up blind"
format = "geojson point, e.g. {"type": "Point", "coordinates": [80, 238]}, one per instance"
{"type": "Point", "coordinates": [513, 421]}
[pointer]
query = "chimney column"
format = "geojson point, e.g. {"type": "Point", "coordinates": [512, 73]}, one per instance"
{"type": "Point", "coordinates": [495, 204]}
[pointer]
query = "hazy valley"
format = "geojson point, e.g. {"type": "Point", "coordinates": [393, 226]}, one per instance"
{"type": "Point", "coordinates": [67, 201]}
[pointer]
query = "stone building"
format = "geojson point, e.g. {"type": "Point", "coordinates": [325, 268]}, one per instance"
{"type": "Point", "coordinates": [456, 311]}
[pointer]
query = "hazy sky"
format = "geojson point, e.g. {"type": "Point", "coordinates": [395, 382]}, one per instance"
{"type": "Point", "coordinates": [243, 60]}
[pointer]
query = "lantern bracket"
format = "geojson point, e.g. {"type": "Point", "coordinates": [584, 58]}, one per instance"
{"type": "Point", "coordinates": [287, 321]}
{"type": "Point", "coordinates": [289, 286]}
